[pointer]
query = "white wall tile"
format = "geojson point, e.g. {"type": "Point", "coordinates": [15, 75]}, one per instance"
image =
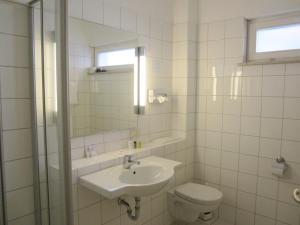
{"type": "Point", "coordinates": [75, 8]}
{"type": "Point", "coordinates": [248, 164]}
{"type": "Point", "coordinates": [244, 218]}
{"type": "Point", "coordinates": [292, 69]}
{"type": "Point", "coordinates": [292, 108]}
{"type": "Point", "coordinates": [16, 113]}
{"type": "Point", "coordinates": [251, 86]}
{"type": "Point", "coordinates": [16, 21]}
{"type": "Point", "coordinates": [269, 148]}
{"type": "Point", "coordinates": [291, 129]}
{"type": "Point", "coordinates": [251, 106]}
{"type": "Point", "coordinates": [235, 28]}
{"type": "Point", "coordinates": [15, 51]}
{"type": "Point", "coordinates": [90, 215]}
{"type": "Point", "coordinates": [15, 83]}
{"type": "Point", "coordinates": [128, 20]}
{"type": "Point", "coordinates": [143, 24]}
{"type": "Point", "coordinates": [267, 187]}
{"type": "Point", "coordinates": [273, 86]}
{"type": "Point", "coordinates": [246, 201]}
{"type": "Point", "coordinates": [18, 174]}
{"type": "Point", "coordinates": [266, 207]}
{"type": "Point", "coordinates": [216, 31]}
{"type": "Point", "coordinates": [249, 145]}
{"type": "Point", "coordinates": [271, 128]}
{"type": "Point", "coordinates": [22, 148]}
{"type": "Point", "coordinates": [14, 208]}
{"type": "Point", "coordinates": [112, 15]}
{"type": "Point", "coordinates": [93, 10]}
{"type": "Point", "coordinates": [230, 160]}
{"type": "Point", "coordinates": [272, 107]}
{"type": "Point", "coordinates": [234, 48]}
{"type": "Point", "coordinates": [292, 86]}
{"type": "Point", "coordinates": [288, 213]}
{"type": "Point", "coordinates": [274, 70]}
{"type": "Point", "coordinates": [247, 183]}
{"type": "Point", "coordinates": [250, 125]}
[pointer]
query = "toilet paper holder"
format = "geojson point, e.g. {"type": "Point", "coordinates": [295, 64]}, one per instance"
{"type": "Point", "coordinates": [279, 166]}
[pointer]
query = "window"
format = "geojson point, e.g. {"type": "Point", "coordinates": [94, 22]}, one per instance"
{"type": "Point", "coordinates": [115, 58]}
{"type": "Point", "coordinates": [274, 38]}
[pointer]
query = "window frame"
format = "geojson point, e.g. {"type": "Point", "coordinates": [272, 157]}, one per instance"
{"type": "Point", "coordinates": [268, 22]}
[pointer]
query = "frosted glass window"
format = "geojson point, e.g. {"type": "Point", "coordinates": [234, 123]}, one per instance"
{"type": "Point", "coordinates": [280, 38]}
{"type": "Point", "coordinates": [116, 58]}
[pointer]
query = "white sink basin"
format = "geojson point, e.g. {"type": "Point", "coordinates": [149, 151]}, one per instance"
{"type": "Point", "coordinates": [148, 178]}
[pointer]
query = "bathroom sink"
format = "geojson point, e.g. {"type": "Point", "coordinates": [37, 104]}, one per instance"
{"type": "Point", "coordinates": [149, 177]}
{"type": "Point", "coordinates": [141, 174]}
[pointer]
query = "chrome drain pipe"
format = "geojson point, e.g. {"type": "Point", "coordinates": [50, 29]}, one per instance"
{"type": "Point", "coordinates": [132, 215]}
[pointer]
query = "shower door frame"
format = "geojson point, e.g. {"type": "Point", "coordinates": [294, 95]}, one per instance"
{"type": "Point", "coordinates": [66, 154]}
{"type": "Point", "coordinates": [2, 190]}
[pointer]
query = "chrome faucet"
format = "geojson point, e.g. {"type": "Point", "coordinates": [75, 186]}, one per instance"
{"type": "Point", "coordinates": [129, 161]}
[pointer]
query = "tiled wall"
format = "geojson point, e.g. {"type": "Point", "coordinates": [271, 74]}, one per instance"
{"type": "Point", "coordinates": [246, 117]}
{"type": "Point", "coordinates": [15, 95]}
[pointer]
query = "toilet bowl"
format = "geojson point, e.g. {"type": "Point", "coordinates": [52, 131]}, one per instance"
{"type": "Point", "coordinates": [191, 201]}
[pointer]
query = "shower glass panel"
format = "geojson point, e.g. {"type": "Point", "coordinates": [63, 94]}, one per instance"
{"type": "Point", "coordinates": [1, 193]}
{"type": "Point", "coordinates": [53, 179]}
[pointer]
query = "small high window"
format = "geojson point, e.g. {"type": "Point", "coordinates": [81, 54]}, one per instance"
{"type": "Point", "coordinates": [274, 38]}
{"type": "Point", "coordinates": [115, 58]}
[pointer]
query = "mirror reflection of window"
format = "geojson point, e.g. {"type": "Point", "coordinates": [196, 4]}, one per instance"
{"type": "Point", "coordinates": [115, 58]}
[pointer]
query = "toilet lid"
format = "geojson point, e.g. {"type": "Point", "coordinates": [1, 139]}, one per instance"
{"type": "Point", "coordinates": [199, 193]}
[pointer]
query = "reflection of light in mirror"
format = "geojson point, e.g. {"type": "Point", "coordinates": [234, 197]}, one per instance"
{"type": "Point", "coordinates": [136, 80]}
{"type": "Point", "coordinates": [143, 80]}
{"type": "Point", "coordinates": [54, 79]}
{"type": "Point", "coordinates": [140, 78]}
{"type": "Point", "coordinates": [234, 84]}
{"type": "Point", "coordinates": [214, 83]}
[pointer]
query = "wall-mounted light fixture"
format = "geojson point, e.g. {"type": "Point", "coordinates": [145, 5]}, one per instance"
{"type": "Point", "coordinates": [140, 81]}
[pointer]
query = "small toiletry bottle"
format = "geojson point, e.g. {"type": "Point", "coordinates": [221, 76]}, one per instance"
{"type": "Point", "coordinates": [139, 144]}
{"type": "Point", "coordinates": [130, 144]}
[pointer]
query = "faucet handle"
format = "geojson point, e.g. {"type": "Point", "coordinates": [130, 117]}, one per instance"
{"type": "Point", "coordinates": [128, 158]}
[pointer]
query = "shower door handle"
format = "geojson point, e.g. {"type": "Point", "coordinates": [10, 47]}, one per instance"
{"type": "Point", "coordinates": [296, 194]}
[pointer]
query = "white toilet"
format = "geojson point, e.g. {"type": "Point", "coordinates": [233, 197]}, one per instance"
{"type": "Point", "coordinates": [190, 202]}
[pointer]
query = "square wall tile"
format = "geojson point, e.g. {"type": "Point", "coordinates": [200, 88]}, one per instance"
{"type": "Point", "coordinates": [75, 8]}
{"type": "Point", "coordinates": [216, 31]}
{"type": "Point", "coordinates": [16, 113]}
{"type": "Point", "coordinates": [14, 208]}
{"type": "Point", "coordinates": [112, 15]}
{"type": "Point", "coordinates": [93, 10]}
{"type": "Point", "coordinates": [235, 28]}
{"type": "Point", "coordinates": [292, 108]}
{"type": "Point", "coordinates": [15, 51]}
{"type": "Point", "coordinates": [272, 107]}
{"type": "Point", "coordinates": [128, 20]}
{"type": "Point", "coordinates": [15, 83]}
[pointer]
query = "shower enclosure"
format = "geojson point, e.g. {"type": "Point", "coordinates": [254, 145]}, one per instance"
{"type": "Point", "coordinates": [52, 177]}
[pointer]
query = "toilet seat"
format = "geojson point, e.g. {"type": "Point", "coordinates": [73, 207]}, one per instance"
{"type": "Point", "coordinates": [199, 194]}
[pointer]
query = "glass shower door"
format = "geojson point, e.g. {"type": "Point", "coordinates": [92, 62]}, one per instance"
{"type": "Point", "coordinates": [52, 143]}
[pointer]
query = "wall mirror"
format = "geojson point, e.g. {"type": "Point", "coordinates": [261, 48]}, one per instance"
{"type": "Point", "coordinates": [106, 78]}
